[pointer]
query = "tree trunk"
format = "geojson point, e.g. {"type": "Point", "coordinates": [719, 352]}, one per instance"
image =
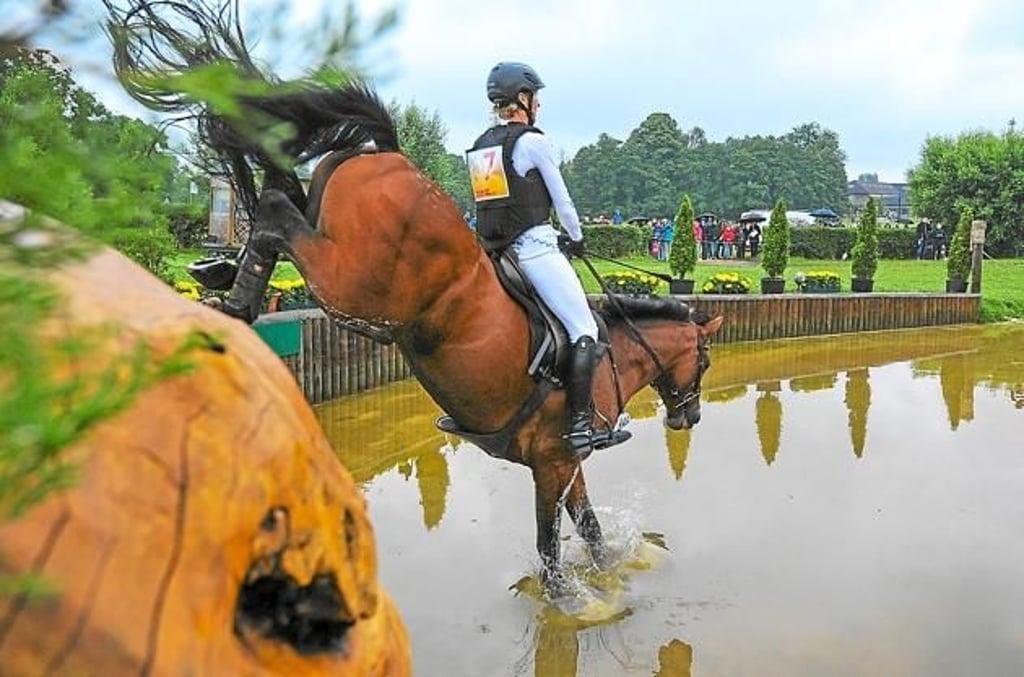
{"type": "Point", "coordinates": [210, 529]}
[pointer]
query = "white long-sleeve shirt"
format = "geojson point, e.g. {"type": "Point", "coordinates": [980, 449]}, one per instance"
{"type": "Point", "coordinates": [532, 151]}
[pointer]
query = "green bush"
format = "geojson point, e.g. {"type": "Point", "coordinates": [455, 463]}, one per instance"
{"type": "Point", "coordinates": [865, 250]}
{"type": "Point", "coordinates": [615, 241]}
{"type": "Point", "coordinates": [683, 258]}
{"type": "Point", "coordinates": [815, 242]}
{"type": "Point", "coordinates": [897, 243]}
{"type": "Point", "coordinates": [958, 263]}
{"type": "Point", "coordinates": [151, 248]}
{"type": "Point", "coordinates": [188, 223]}
{"type": "Point", "coordinates": [776, 242]}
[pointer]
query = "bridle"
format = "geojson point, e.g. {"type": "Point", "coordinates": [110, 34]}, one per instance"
{"type": "Point", "coordinates": [664, 382]}
{"type": "Point", "coordinates": [670, 391]}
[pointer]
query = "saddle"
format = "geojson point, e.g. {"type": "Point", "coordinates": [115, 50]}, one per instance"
{"type": "Point", "coordinates": [549, 355]}
{"type": "Point", "coordinates": [549, 342]}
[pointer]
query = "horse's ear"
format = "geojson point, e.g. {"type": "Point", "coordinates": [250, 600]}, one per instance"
{"type": "Point", "coordinates": [712, 326]}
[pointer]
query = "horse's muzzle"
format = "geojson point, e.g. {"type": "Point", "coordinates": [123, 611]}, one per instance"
{"type": "Point", "coordinates": [687, 417]}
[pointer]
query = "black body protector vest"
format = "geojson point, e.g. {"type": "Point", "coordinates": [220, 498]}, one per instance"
{"type": "Point", "coordinates": [506, 204]}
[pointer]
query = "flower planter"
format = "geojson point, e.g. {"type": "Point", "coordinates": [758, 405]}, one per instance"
{"type": "Point", "coordinates": [861, 285]}
{"type": "Point", "coordinates": [773, 285]}
{"type": "Point", "coordinates": [680, 287]}
{"type": "Point", "coordinates": [956, 286]}
{"type": "Point", "coordinates": [815, 288]}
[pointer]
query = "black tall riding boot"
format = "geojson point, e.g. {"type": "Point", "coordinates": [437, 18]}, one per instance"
{"type": "Point", "coordinates": [582, 438]}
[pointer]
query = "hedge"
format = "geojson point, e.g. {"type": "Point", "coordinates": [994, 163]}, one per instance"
{"type": "Point", "coordinates": [832, 243]}
{"type": "Point", "coordinates": [616, 241]}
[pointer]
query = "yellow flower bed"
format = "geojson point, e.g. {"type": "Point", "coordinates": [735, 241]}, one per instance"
{"type": "Point", "coordinates": [631, 283]}
{"type": "Point", "coordinates": [727, 283]}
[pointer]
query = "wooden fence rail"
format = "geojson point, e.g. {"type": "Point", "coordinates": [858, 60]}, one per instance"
{"type": "Point", "coordinates": [329, 361]}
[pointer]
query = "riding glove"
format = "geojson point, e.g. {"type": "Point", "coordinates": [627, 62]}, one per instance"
{"type": "Point", "coordinates": [571, 247]}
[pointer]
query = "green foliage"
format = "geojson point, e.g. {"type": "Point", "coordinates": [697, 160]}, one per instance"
{"type": "Point", "coordinates": [44, 405]}
{"type": "Point", "coordinates": [151, 249]}
{"type": "Point", "coordinates": [642, 175]}
{"type": "Point", "coordinates": [816, 242]}
{"type": "Point", "coordinates": [865, 249]}
{"type": "Point", "coordinates": [981, 170]}
{"type": "Point", "coordinates": [422, 137]}
{"type": "Point", "coordinates": [64, 154]}
{"type": "Point", "coordinates": [775, 255]}
{"type": "Point", "coordinates": [958, 263]}
{"type": "Point", "coordinates": [188, 223]}
{"type": "Point", "coordinates": [683, 258]}
{"type": "Point", "coordinates": [615, 241]}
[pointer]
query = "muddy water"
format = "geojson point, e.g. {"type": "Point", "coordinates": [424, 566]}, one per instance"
{"type": "Point", "coordinates": [847, 506]}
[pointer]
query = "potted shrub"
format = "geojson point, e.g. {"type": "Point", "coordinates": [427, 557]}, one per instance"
{"type": "Point", "coordinates": [775, 255]}
{"type": "Point", "coordinates": [958, 263]}
{"type": "Point", "coordinates": [683, 258]}
{"type": "Point", "coordinates": [865, 250]}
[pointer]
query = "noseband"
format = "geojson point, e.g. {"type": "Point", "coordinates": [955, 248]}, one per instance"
{"type": "Point", "coordinates": [666, 385]}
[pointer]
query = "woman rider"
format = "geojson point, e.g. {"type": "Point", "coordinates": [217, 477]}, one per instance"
{"type": "Point", "coordinates": [515, 184]}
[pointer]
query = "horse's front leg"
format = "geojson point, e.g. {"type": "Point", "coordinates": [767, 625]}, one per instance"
{"type": "Point", "coordinates": [278, 220]}
{"type": "Point", "coordinates": [587, 526]}
{"type": "Point", "coordinates": [550, 478]}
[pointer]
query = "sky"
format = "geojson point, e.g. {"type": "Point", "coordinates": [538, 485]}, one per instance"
{"type": "Point", "coordinates": [883, 74]}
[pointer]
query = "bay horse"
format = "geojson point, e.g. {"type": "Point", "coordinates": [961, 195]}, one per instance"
{"type": "Point", "coordinates": [385, 252]}
{"type": "Point", "coordinates": [390, 255]}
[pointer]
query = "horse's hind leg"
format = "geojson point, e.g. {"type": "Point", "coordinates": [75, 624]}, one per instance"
{"type": "Point", "coordinates": [277, 220]}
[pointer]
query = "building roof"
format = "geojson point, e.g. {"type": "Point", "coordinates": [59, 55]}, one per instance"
{"type": "Point", "coordinates": [875, 188]}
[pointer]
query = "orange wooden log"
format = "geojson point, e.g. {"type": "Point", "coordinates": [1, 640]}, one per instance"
{"type": "Point", "coordinates": [211, 530]}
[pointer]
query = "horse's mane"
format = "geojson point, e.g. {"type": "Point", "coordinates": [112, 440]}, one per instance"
{"type": "Point", "coordinates": [649, 309]}
{"type": "Point", "coordinates": [278, 124]}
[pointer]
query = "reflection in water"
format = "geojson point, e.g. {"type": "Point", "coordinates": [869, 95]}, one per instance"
{"type": "Point", "coordinates": [678, 444]}
{"type": "Point", "coordinates": [389, 428]}
{"type": "Point", "coordinates": [675, 659]}
{"type": "Point", "coordinates": [768, 416]}
{"type": "Point", "coordinates": [927, 529]}
{"type": "Point", "coordinates": [858, 399]}
{"type": "Point", "coordinates": [957, 376]}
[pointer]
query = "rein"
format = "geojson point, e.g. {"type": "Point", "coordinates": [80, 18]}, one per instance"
{"type": "Point", "coordinates": [664, 381]}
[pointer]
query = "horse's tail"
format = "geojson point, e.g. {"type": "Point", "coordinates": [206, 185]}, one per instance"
{"type": "Point", "coordinates": [263, 124]}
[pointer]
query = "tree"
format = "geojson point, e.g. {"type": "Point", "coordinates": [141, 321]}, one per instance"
{"type": "Point", "coordinates": [776, 242]}
{"type": "Point", "coordinates": [683, 258]}
{"type": "Point", "coordinates": [110, 168]}
{"type": "Point", "coordinates": [958, 263]}
{"type": "Point", "coordinates": [865, 248]}
{"type": "Point", "coordinates": [981, 170]}
{"type": "Point", "coordinates": [422, 136]}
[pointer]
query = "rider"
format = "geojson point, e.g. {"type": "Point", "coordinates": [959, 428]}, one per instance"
{"type": "Point", "coordinates": [515, 183]}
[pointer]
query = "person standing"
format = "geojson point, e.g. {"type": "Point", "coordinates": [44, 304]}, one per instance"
{"type": "Point", "coordinates": [516, 182]}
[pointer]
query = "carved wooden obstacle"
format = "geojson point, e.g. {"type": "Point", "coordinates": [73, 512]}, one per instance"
{"type": "Point", "coordinates": [211, 529]}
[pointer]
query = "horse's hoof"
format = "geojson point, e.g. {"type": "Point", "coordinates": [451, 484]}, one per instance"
{"type": "Point", "coordinates": [556, 585]}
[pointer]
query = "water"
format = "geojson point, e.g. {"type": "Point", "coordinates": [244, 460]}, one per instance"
{"type": "Point", "coordinates": [847, 506]}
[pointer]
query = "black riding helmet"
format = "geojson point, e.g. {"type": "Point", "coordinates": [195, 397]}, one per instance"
{"type": "Point", "coordinates": [508, 79]}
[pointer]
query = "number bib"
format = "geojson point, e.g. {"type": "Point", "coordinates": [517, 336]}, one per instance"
{"type": "Point", "coordinates": [487, 173]}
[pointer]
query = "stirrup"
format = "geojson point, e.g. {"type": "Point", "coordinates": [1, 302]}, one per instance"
{"type": "Point", "coordinates": [584, 441]}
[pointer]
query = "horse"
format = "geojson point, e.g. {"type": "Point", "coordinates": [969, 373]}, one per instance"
{"type": "Point", "coordinates": [385, 252]}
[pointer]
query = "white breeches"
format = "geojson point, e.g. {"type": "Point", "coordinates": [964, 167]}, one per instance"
{"type": "Point", "coordinates": [556, 282]}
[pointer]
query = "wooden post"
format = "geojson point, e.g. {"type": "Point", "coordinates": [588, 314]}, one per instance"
{"type": "Point", "coordinates": [977, 249]}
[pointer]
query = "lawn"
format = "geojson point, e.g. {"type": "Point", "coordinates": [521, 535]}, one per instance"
{"type": "Point", "coordinates": [1002, 281]}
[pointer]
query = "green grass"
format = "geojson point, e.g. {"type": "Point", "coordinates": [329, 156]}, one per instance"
{"type": "Point", "coordinates": [1002, 280]}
